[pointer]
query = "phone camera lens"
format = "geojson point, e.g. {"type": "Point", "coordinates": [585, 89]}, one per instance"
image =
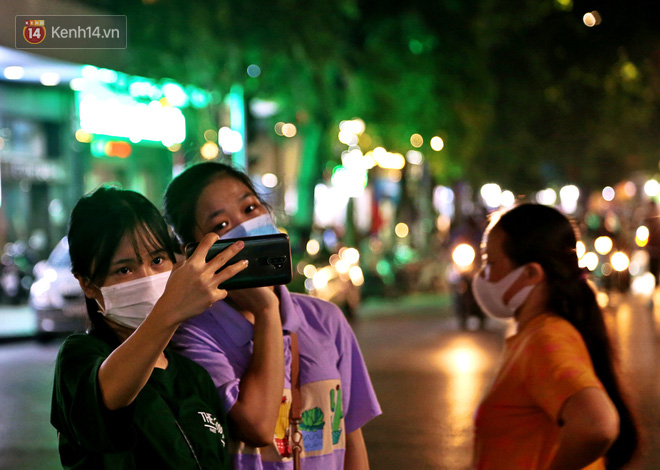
{"type": "Point", "coordinates": [278, 262]}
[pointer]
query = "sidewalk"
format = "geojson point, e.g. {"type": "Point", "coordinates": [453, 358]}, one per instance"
{"type": "Point", "coordinates": [17, 322]}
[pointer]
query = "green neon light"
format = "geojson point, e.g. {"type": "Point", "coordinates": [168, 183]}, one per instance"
{"type": "Point", "coordinates": [237, 122]}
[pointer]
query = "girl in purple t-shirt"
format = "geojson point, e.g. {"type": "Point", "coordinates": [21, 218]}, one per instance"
{"type": "Point", "coordinates": [245, 343]}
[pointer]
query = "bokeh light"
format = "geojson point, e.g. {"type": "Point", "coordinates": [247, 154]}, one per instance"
{"type": "Point", "coordinates": [591, 19]}
{"type": "Point", "coordinates": [313, 247]}
{"type": "Point", "coordinates": [50, 79]}
{"type": "Point", "coordinates": [569, 196]}
{"type": "Point", "coordinates": [415, 157]}
{"type": "Point", "coordinates": [463, 255]}
{"type": "Point", "coordinates": [620, 261]}
{"type": "Point", "coordinates": [309, 270]}
{"type": "Point", "coordinates": [269, 180]}
{"type": "Point", "coordinates": [253, 70]}
{"type": "Point", "coordinates": [603, 245]}
{"type": "Point", "coordinates": [14, 72]}
{"type": "Point", "coordinates": [230, 140]}
{"type": "Point", "coordinates": [401, 230]}
{"type": "Point", "coordinates": [546, 196]}
{"type": "Point", "coordinates": [289, 130]}
{"type": "Point", "coordinates": [642, 236]}
{"type": "Point", "coordinates": [589, 261]}
{"type": "Point", "coordinates": [351, 255]}
{"type": "Point", "coordinates": [388, 160]}
{"type": "Point", "coordinates": [416, 140]}
{"type": "Point", "coordinates": [355, 126]}
{"type": "Point", "coordinates": [82, 136]}
{"type": "Point", "coordinates": [629, 189]}
{"type": "Point", "coordinates": [507, 199]}
{"type": "Point", "coordinates": [210, 150]}
{"type": "Point", "coordinates": [491, 194]}
{"type": "Point", "coordinates": [608, 193]}
{"type": "Point", "coordinates": [651, 188]}
{"type": "Point", "coordinates": [211, 135]}
{"type": "Point", "coordinates": [356, 275]}
{"type": "Point", "coordinates": [437, 143]}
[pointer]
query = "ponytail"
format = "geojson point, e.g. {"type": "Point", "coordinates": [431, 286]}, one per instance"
{"type": "Point", "coordinates": [587, 317]}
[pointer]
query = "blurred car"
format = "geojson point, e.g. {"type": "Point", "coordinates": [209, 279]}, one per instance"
{"type": "Point", "coordinates": [55, 296]}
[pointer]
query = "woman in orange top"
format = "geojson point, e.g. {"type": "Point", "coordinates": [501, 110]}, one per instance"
{"type": "Point", "coordinates": [556, 402]}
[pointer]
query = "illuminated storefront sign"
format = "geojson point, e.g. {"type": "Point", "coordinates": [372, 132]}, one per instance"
{"type": "Point", "coordinates": [124, 117]}
{"type": "Point", "coordinates": [138, 109]}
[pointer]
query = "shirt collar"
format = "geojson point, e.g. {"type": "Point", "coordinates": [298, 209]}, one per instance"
{"type": "Point", "coordinates": [290, 311]}
{"type": "Point", "coordinates": [241, 331]}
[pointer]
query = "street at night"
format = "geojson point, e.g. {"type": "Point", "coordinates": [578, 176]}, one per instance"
{"type": "Point", "coordinates": [429, 377]}
{"type": "Point", "coordinates": [474, 186]}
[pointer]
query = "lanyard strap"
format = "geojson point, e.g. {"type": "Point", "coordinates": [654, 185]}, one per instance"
{"type": "Point", "coordinates": [296, 405]}
{"type": "Point", "coordinates": [192, 450]}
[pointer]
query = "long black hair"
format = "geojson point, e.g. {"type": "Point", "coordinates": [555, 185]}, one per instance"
{"type": "Point", "coordinates": [182, 194]}
{"type": "Point", "coordinates": [97, 225]}
{"type": "Point", "coordinates": [541, 234]}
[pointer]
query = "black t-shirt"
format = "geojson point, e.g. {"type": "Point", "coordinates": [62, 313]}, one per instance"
{"type": "Point", "coordinates": [176, 421]}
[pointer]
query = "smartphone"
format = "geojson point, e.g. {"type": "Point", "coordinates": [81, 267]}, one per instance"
{"type": "Point", "coordinates": [269, 260]}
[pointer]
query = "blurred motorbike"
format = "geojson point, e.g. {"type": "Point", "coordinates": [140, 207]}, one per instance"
{"type": "Point", "coordinates": [462, 269]}
{"type": "Point", "coordinates": [340, 281]}
{"type": "Point", "coordinates": [609, 262]}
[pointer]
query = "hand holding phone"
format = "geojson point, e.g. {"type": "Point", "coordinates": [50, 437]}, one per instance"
{"type": "Point", "coordinates": [193, 284]}
{"type": "Point", "coordinates": [268, 256]}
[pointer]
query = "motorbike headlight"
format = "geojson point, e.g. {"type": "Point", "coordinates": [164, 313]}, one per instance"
{"type": "Point", "coordinates": [642, 236]}
{"type": "Point", "coordinates": [620, 261]}
{"type": "Point", "coordinates": [589, 261]}
{"type": "Point", "coordinates": [603, 245]}
{"type": "Point", "coordinates": [463, 255]}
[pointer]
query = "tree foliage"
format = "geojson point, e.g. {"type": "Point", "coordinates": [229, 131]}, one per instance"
{"type": "Point", "coordinates": [522, 92]}
{"type": "Point", "coordinates": [573, 104]}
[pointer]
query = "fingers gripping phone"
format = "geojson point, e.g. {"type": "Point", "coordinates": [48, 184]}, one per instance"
{"type": "Point", "coordinates": [268, 256]}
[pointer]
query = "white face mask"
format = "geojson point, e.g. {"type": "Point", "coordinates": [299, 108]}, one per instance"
{"type": "Point", "coordinates": [129, 303]}
{"type": "Point", "coordinates": [260, 225]}
{"type": "Point", "coordinates": [489, 294]}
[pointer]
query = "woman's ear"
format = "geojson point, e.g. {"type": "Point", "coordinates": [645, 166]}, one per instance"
{"type": "Point", "coordinates": [534, 273]}
{"type": "Point", "coordinates": [86, 286]}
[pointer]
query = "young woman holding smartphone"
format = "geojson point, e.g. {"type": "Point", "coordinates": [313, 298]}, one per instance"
{"type": "Point", "coordinates": [121, 398]}
{"type": "Point", "coordinates": [246, 342]}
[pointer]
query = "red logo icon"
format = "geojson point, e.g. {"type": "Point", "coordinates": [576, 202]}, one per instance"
{"type": "Point", "coordinates": [34, 31]}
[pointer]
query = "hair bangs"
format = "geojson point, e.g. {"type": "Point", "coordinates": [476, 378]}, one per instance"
{"type": "Point", "coordinates": [144, 238]}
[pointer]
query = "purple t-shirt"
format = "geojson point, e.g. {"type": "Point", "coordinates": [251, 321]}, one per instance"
{"type": "Point", "coordinates": [337, 395]}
